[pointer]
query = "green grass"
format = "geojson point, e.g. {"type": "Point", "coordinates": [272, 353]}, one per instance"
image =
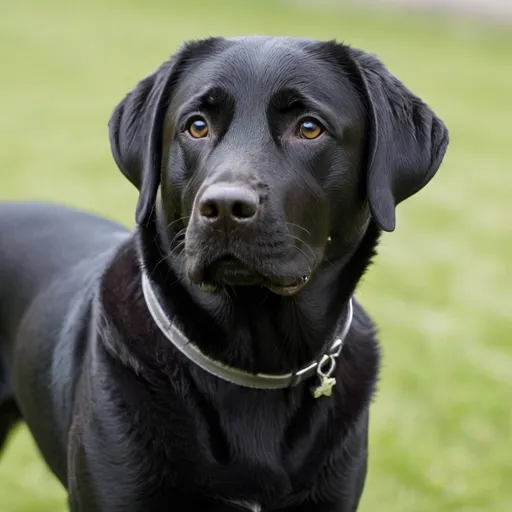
{"type": "Point", "coordinates": [441, 431]}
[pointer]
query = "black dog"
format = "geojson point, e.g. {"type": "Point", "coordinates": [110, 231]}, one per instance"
{"type": "Point", "coordinates": [214, 359]}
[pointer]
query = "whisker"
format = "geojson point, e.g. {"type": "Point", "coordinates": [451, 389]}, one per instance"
{"type": "Point", "coordinates": [302, 252]}
{"type": "Point", "coordinates": [173, 241]}
{"type": "Point", "coordinates": [305, 244]}
{"type": "Point", "coordinates": [179, 247]}
{"type": "Point", "coordinates": [185, 217]}
{"type": "Point", "coordinates": [179, 234]}
{"type": "Point", "coordinates": [174, 222]}
{"type": "Point", "coordinates": [330, 262]}
{"type": "Point", "coordinates": [300, 227]}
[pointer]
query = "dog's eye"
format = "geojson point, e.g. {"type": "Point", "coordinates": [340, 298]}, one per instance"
{"type": "Point", "coordinates": [198, 128]}
{"type": "Point", "coordinates": [309, 129]}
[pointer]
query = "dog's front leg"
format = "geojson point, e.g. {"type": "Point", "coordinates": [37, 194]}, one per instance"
{"type": "Point", "coordinates": [80, 493]}
{"type": "Point", "coordinates": [348, 505]}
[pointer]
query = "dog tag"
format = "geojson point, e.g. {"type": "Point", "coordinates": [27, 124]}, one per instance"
{"type": "Point", "coordinates": [325, 387]}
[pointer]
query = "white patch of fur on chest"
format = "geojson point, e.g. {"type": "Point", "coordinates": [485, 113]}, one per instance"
{"type": "Point", "coordinates": [249, 506]}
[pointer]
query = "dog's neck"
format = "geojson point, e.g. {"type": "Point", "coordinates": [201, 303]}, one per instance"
{"type": "Point", "coordinates": [252, 328]}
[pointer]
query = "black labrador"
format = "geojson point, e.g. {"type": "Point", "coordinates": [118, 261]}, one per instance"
{"type": "Point", "coordinates": [215, 359]}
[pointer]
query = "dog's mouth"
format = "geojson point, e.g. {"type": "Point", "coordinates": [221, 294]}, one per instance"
{"type": "Point", "coordinates": [231, 271]}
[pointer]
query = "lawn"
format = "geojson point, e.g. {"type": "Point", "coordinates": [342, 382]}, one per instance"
{"type": "Point", "coordinates": [441, 431]}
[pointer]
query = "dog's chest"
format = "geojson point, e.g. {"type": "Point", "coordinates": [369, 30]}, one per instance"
{"type": "Point", "coordinates": [251, 435]}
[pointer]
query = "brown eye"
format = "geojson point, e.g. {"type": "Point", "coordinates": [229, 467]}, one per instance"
{"type": "Point", "coordinates": [198, 128]}
{"type": "Point", "coordinates": [309, 129]}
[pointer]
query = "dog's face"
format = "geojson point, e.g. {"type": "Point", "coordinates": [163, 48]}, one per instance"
{"type": "Point", "coordinates": [262, 157]}
{"type": "Point", "coordinates": [271, 154]}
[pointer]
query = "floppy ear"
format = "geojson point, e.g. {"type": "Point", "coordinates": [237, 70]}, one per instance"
{"type": "Point", "coordinates": [407, 141]}
{"type": "Point", "coordinates": [136, 127]}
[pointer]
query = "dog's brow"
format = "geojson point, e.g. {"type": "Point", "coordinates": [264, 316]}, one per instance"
{"type": "Point", "coordinates": [288, 98]}
{"type": "Point", "coordinates": [292, 99]}
{"type": "Point", "coordinates": [207, 98]}
{"type": "Point", "coordinates": [214, 96]}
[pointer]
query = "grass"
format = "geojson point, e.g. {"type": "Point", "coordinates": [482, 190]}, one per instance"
{"type": "Point", "coordinates": [441, 431]}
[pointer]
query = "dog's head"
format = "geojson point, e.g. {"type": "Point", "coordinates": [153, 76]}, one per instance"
{"type": "Point", "coordinates": [263, 155]}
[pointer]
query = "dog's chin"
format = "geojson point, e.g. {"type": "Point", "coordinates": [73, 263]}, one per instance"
{"type": "Point", "coordinates": [229, 271]}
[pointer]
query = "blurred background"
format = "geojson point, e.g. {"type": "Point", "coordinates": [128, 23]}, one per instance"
{"type": "Point", "coordinates": [441, 290]}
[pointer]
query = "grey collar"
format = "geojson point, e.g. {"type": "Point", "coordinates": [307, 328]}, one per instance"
{"type": "Point", "coordinates": [324, 367]}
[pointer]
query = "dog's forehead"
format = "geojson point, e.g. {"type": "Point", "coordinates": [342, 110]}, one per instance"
{"type": "Point", "coordinates": [263, 65]}
{"type": "Point", "coordinates": [269, 57]}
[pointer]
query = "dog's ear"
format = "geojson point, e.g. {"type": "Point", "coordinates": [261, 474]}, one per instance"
{"type": "Point", "coordinates": [407, 141]}
{"type": "Point", "coordinates": [136, 126]}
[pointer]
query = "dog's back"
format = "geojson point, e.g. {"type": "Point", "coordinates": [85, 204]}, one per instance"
{"type": "Point", "coordinates": [43, 243]}
{"type": "Point", "coordinates": [44, 247]}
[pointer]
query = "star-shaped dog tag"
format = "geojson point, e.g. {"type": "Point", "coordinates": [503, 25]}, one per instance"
{"type": "Point", "coordinates": [325, 387]}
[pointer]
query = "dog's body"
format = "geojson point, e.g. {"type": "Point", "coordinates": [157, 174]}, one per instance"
{"type": "Point", "coordinates": [281, 213]}
{"type": "Point", "coordinates": [148, 442]}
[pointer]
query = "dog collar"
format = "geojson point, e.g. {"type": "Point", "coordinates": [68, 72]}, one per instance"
{"type": "Point", "coordinates": [323, 368]}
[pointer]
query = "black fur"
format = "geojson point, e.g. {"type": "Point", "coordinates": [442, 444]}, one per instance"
{"type": "Point", "coordinates": [121, 417]}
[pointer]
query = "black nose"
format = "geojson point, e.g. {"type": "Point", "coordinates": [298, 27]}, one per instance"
{"type": "Point", "coordinates": [231, 204]}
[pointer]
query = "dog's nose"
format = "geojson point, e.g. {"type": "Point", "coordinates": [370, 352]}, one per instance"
{"type": "Point", "coordinates": [225, 203]}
